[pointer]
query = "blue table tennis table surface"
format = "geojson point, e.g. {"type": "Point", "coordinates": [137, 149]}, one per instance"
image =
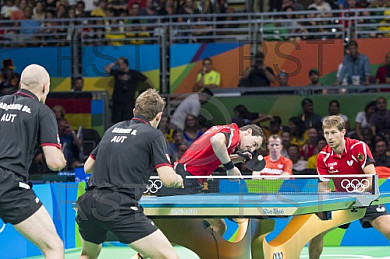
{"type": "Point", "coordinates": [270, 204]}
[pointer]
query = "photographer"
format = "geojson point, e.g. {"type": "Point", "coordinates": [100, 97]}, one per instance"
{"type": "Point", "coordinates": [125, 85]}
{"type": "Point", "coordinates": [258, 74]}
{"type": "Point", "coordinates": [208, 77]}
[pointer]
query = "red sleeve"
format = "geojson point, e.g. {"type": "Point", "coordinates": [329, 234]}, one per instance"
{"type": "Point", "coordinates": [361, 153]}
{"type": "Point", "coordinates": [321, 168]}
{"type": "Point", "coordinates": [288, 166]}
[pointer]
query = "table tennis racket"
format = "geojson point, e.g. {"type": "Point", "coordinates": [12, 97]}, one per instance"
{"type": "Point", "coordinates": [257, 163]}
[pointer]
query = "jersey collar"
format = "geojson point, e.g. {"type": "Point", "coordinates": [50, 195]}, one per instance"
{"type": "Point", "coordinates": [140, 119]}
{"type": "Point", "coordinates": [26, 93]}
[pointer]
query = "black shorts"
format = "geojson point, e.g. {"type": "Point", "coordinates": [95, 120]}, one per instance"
{"type": "Point", "coordinates": [372, 213]}
{"type": "Point", "coordinates": [17, 201]}
{"type": "Point", "coordinates": [102, 210]}
{"type": "Point", "coordinates": [191, 185]}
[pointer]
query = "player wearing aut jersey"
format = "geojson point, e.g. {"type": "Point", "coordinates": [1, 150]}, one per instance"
{"type": "Point", "coordinates": [125, 159]}
{"type": "Point", "coordinates": [346, 156]}
{"type": "Point", "coordinates": [213, 148]}
{"type": "Point", "coordinates": [275, 163]}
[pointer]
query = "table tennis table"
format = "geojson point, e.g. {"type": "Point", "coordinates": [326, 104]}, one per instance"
{"type": "Point", "coordinates": [180, 218]}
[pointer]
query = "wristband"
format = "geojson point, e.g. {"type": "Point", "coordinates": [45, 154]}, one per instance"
{"type": "Point", "coordinates": [229, 165]}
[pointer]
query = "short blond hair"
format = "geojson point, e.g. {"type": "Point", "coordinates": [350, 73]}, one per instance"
{"type": "Point", "coordinates": [149, 104]}
{"type": "Point", "coordinates": [333, 121]}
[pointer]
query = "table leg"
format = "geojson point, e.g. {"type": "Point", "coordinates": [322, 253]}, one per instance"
{"type": "Point", "coordinates": [298, 232]}
{"type": "Point", "coordinates": [191, 234]}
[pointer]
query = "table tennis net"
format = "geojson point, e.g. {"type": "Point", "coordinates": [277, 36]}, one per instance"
{"type": "Point", "coordinates": [294, 184]}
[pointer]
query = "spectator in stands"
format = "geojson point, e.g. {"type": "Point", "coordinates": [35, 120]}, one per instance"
{"type": "Point", "coordinates": [368, 137]}
{"type": "Point", "coordinates": [363, 119]}
{"type": "Point", "coordinates": [286, 141]}
{"type": "Point", "coordinates": [243, 117]}
{"type": "Point", "coordinates": [208, 77]}
{"type": "Point", "coordinates": [190, 105]}
{"type": "Point", "coordinates": [118, 5]}
{"type": "Point", "coordinates": [308, 149]}
{"type": "Point", "coordinates": [167, 128]}
{"type": "Point", "coordinates": [173, 148]}
{"type": "Point", "coordinates": [299, 165]}
{"type": "Point", "coordinates": [314, 77]}
{"type": "Point", "coordinates": [334, 109]}
{"type": "Point", "coordinates": [9, 80]}
{"type": "Point", "coordinates": [51, 5]}
{"type": "Point", "coordinates": [191, 129]}
{"type": "Point", "coordinates": [19, 14]}
{"type": "Point", "coordinates": [70, 144]}
{"type": "Point", "coordinates": [125, 85]}
{"type": "Point", "coordinates": [383, 73]}
{"type": "Point", "coordinates": [59, 112]}
{"type": "Point", "coordinates": [380, 120]}
{"type": "Point", "coordinates": [167, 8]}
{"type": "Point", "coordinates": [100, 10]}
{"type": "Point", "coordinates": [275, 127]}
{"type": "Point", "coordinates": [283, 78]}
{"type": "Point", "coordinates": [308, 116]}
{"type": "Point", "coordinates": [78, 84]}
{"type": "Point", "coordinates": [322, 6]}
{"type": "Point", "coordinates": [380, 156]}
{"type": "Point", "coordinates": [61, 12]}
{"type": "Point", "coordinates": [80, 9]}
{"type": "Point", "coordinates": [312, 161]}
{"type": "Point", "coordinates": [29, 27]}
{"type": "Point", "coordinates": [385, 27]}
{"type": "Point", "coordinates": [8, 9]}
{"type": "Point", "coordinates": [39, 11]}
{"type": "Point", "coordinates": [298, 132]}
{"type": "Point", "coordinates": [274, 31]}
{"type": "Point", "coordinates": [275, 163]}
{"type": "Point", "coordinates": [149, 10]}
{"type": "Point", "coordinates": [356, 67]}
{"type": "Point", "coordinates": [258, 74]}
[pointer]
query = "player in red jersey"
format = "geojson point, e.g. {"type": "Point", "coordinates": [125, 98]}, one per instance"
{"type": "Point", "coordinates": [275, 163]}
{"type": "Point", "coordinates": [346, 156]}
{"type": "Point", "coordinates": [215, 147]}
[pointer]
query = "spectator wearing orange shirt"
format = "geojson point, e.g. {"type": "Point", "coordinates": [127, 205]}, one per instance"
{"type": "Point", "coordinates": [276, 164]}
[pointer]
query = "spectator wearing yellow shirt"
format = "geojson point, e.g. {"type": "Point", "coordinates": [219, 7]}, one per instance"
{"type": "Point", "coordinates": [384, 24]}
{"type": "Point", "coordinates": [208, 77]}
{"type": "Point", "coordinates": [312, 161]}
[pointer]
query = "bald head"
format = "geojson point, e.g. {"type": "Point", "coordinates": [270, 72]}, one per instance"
{"type": "Point", "coordinates": [34, 77]}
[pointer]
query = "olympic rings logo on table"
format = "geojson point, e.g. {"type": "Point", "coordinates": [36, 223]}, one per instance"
{"type": "Point", "coordinates": [153, 186]}
{"type": "Point", "coordinates": [355, 185]}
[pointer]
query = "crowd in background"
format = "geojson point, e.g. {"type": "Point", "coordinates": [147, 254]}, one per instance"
{"type": "Point", "coordinates": [27, 18]}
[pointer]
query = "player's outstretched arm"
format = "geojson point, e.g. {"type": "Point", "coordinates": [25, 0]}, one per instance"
{"type": "Point", "coordinates": [55, 159]}
{"type": "Point", "coordinates": [369, 169]}
{"type": "Point", "coordinates": [88, 166]}
{"type": "Point", "coordinates": [169, 177]}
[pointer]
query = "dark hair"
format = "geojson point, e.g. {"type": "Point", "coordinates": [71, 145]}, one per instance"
{"type": "Point", "coordinates": [242, 110]}
{"type": "Point", "coordinates": [313, 71]}
{"type": "Point", "coordinates": [256, 131]}
{"type": "Point", "coordinates": [334, 101]}
{"type": "Point", "coordinates": [352, 43]}
{"type": "Point", "coordinates": [300, 127]}
{"type": "Point", "coordinates": [293, 145]}
{"type": "Point", "coordinates": [306, 101]}
{"type": "Point", "coordinates": [207, 59]}
{"type": "Point", "coordinates": [207, 91]}
{"type": "Point", "coordinates": [320, 138]}
{"type": "Point", "coordinates": [276, 120]}
{"type": "Point", "coordinates": [369, 105]}
{"type": "Point", "coordinates": [125, 61]}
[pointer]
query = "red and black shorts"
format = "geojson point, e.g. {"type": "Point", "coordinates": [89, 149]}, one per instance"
{"type": "Point", "coordinates": [17, 201]}
{"type": "Point", "coordinates": [103, 210]}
